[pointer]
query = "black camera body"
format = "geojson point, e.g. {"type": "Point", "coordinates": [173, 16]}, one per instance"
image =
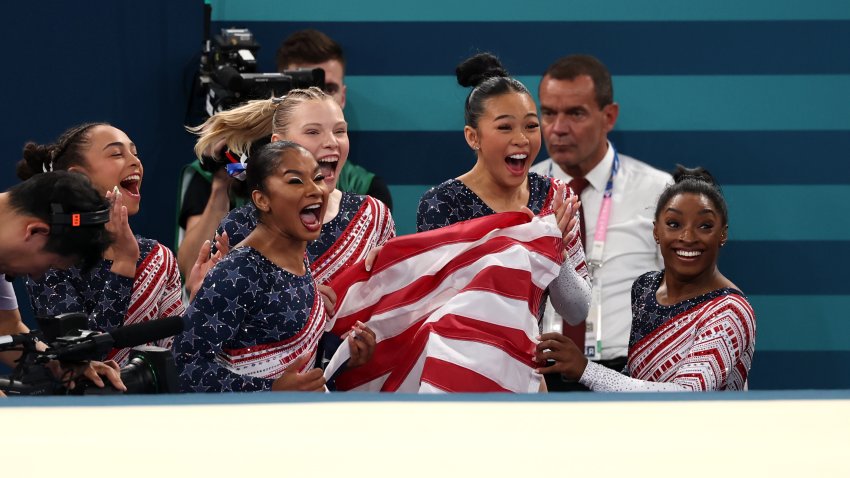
{"type": "Point", "coordinates": [229, 76]}
{"type": "Point", "coordinates": [149, 370]}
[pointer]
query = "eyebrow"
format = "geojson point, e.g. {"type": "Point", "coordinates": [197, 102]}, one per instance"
{"type": "Point", "coordinates": [511, 116]}
{"type": "Point", "coordinates": [119, 144]}
{"type": "Point", "coordinates": [293, 171]}
{"type": "Point", "coordinates": [704, 211]}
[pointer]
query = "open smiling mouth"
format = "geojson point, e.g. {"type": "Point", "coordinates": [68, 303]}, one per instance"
{"type": "Point", "coordinates": [687, 254]}
{"type": "Point", "coordinates": [310, 217]}
{"type": "Point", "coordinates": [130, 184]}
{"type": "Point", "coordinates": [516, 163]}
{"type": "Point", "coordinates": [328, 166]}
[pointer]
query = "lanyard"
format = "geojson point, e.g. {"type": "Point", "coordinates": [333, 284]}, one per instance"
{"type": "Point", "coordinates": [594, 258]}
{"type": "Point", "coordinates": [593, 324]}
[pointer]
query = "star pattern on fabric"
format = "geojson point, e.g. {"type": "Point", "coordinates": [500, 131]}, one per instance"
{"type": "Point", "coordinates": [269, 306]}
{"type": "Point", "coordinates": [452, 201]}
{"type": "Point", "coordinates": [99, 293]}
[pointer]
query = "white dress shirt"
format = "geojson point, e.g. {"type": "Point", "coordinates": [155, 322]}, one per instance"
{"type": "Point", "coordinates": [630, 249]}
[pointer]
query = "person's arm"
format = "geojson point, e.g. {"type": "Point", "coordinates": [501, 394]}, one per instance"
{"type": "Point", "coordinates": [387, 227]}
{"type": "Point", "coordinates": [171, 299]}
{"type": "Point", "coordinates": [570, 291]}
{"type": "Point", "coordinates": [724, 336]}
{"type": "Point", "coordinates": [210, 324]}
{"type": "Point", "coordinates": [124, 251]}
{"type": "Point", "coordinates": [200, 228]}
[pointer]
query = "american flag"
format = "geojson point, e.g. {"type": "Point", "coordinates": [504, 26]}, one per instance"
{"type": "Point", "coordinates": [453, 309]}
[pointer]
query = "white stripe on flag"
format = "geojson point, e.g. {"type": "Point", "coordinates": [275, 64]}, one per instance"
{"type": "Point", "coordinates": [484, 314]}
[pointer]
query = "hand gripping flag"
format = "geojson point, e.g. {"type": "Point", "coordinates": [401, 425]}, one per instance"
{"type": "Point", "coordinates": [453, 309]}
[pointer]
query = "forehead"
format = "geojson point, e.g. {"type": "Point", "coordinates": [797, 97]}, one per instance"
{"type": "Point", "coordinates": [690, 202]}
{"type": "Point", "coordinates": [579, 90]}
{"type": "Point", "coordinates": [514, 103]}
{"type": "Point", "coordinates": [298, 159]}
{"type": "Point", "coordinates": [318, 111]}
{"type": "Point", "coordinates": [103, 135]}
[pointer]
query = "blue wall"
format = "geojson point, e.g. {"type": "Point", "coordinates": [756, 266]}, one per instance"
{"type": "Point", "coordinates": [755, 91]}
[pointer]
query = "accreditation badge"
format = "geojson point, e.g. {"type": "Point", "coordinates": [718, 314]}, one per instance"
{"type": "Point", "coordinates": [593, 324]}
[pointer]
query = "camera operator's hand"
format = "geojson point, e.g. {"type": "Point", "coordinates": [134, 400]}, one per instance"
{"type": "Point", "coordinates": [124, 252]}
{"type": "Point", "coordinates": [292, 381]}
{"type": "Point", "coordinates": [205, 262]}
{"type": "Point", "coordinates": [90, 370]}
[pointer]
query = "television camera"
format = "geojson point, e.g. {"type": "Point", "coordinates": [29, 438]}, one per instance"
{"type": "Point", "coordinates": [228, 73]}
{"type": "Point", "coordinates": [150, 369]}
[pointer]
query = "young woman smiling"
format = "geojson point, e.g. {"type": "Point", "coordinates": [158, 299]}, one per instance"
{"type": "Point", "coordinates": [256, 321]}
{"type": "Point", "coordinates": [503, 130]}
{"type": "Point", "coordinates": [692, 329]}
{"type": "Point", "coordinates": [351, 224]}
{"type": "Point", "coordinates": [138, 279]}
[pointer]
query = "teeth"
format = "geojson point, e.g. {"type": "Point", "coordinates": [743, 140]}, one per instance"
{"type": "Point", "coordinates": [313, 206]}
{"type": "Point", "coordinates": [688, 253]}
{"type": "Point", "coordinates": [132, 177]}
{"type": "Point", "coordinates": [329, 159]}
{"type": "Point", "coordinates": [518, 156]}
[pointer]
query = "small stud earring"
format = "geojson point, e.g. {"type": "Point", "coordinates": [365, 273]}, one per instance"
{"type": "Point", "coordinates": [476, 147]}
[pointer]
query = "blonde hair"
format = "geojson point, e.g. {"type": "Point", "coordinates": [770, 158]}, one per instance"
{"type": "Point", "coordinates": [256, 119]}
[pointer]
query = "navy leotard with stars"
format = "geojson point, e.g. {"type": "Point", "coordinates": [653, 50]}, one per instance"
{"type": "Point", "coordinates": [452, 201]}
{"type": "Point", "coordinates": [100, 293]}
{"type": "Point", "coordinates": [245, 301]}
{"type": "Point", "coordinates": [241, 221]}
{"type": "Point", "coordinates": [648, 315]}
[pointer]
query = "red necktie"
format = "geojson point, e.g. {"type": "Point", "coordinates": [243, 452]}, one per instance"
{"type": "Point", "coordinates": [576, 332]}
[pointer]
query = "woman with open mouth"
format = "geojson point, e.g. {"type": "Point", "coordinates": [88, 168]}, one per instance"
{"type": "Point", "coordinates": [256, 321]}
{"type": "Point", "coordinates": [692, 328]}
{"type": "Point", "coordinates": [503, 130]}
{"type": "Point", "coordinates": [137, 280]}
{"type": "Point", "coordinates": [351, 224]}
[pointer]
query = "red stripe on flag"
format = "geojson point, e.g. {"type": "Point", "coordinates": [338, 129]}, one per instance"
{"type": "Point", "coordinates": [399, 354]}
{"type": "Point", "coordinates": [402, 248]}
{"type": "Point", "coordinates": [425, 285]}
{"type": "Point", "coordinates": [453, 378]}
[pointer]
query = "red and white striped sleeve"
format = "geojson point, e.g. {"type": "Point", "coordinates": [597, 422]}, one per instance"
{"type": "Point", "coordinates": [719, 358]}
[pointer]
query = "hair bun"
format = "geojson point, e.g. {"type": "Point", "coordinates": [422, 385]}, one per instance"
{"type": "Point", "coordinates": [697, 174]}
{"type": "Point", "coordinates": [35, 156]}
{"type": "Point", "coordinates": [478, 68]}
